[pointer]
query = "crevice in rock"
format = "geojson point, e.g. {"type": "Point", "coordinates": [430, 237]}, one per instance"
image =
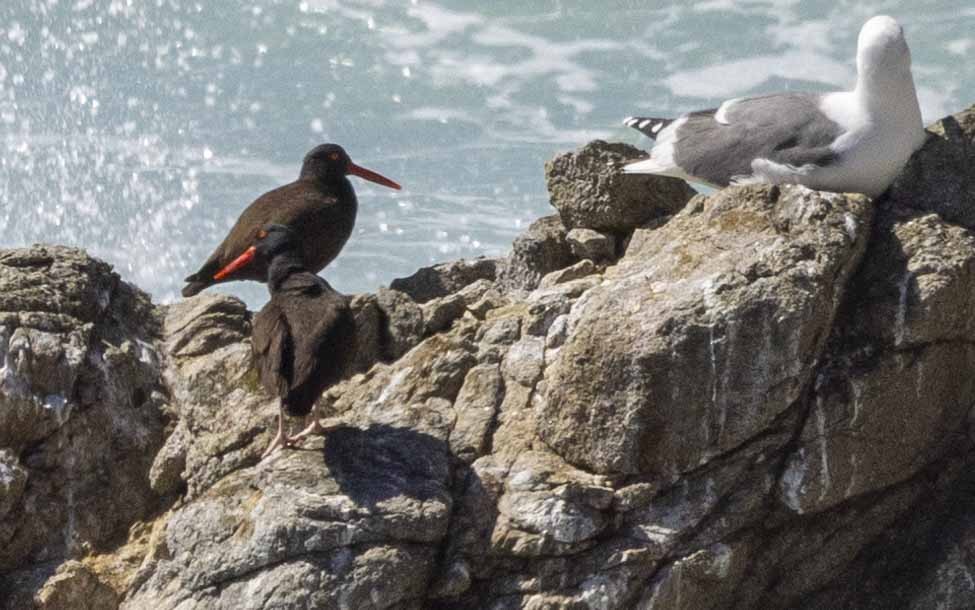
{"type": "Point", "coordinates": [942, 473]}
{"type": "Point", "coordinates": [783, 521]}
{"type": "Point", "coordinates": [495, 423]}
{"type": "Point", "coordinates": [444, 551]}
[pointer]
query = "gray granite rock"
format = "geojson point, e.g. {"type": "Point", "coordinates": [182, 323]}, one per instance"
{"type": "Point", "coordinates": [907, 327]}
{"type": "Point", "coordinates": [579, 270]}
{"type": "Point", "coordinates": [440, 313]}
{"type": "Point", "coordinates": [476, 407]}
{"type": "Point", "coordinates": [354, 521]}
{"type": "Point", "coordinates": [541, 249]}
{"type": "Point", "coordinates": [75, 587]}
{"type": "Point", "coordinates": [81, 392]}
{"type": "Point", "coordinates": [402, 322]}
{"type": "Point", "coordinates": [722, 314]}
{"type": "Point", "coordinates": [13, 480]}
{"type": "Point", "coordinates": [941, 176]}
{"type": "Point", "coordinates": [590, 191]}
{"type": "Point", "coordinates": [166, 474]}
{"type": "Point", "coordinates": [446, 278]}
{"type": "Point", "coordinates": [592, 245]}
{"type": "Point", "coordinates": [222, 409]}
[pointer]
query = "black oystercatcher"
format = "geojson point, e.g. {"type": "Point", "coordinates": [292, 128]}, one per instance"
{"type": "Point", "coordinates": [320, 206]}
{"type": "Point", "coordinates": [303, 338]}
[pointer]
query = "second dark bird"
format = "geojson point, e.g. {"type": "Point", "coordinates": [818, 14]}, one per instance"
{"type": "Point", "coordinates": [320, 207]}
{"type": "Point", "coordinates": [304, 337]}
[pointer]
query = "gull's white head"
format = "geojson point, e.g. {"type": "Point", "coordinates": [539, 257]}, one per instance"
{"type": "Point", "coordinates": [881, 48]}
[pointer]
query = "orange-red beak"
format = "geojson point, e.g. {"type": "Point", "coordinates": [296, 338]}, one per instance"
{"type": "Point", "coordinates": [241, 261]}
{"type": "Point", "coordinates": [371, 176]}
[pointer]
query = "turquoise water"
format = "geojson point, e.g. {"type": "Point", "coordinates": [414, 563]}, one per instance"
{"type": "Point", "coordinates": [139, 129]}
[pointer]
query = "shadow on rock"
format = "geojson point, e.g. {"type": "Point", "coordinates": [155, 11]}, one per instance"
{"type": "Point", "coordinates": [381, 462]}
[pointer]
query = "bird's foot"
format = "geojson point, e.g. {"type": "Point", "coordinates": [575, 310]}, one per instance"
{"type": "Point", "coordinates": [280, 441]}
{"type": "Point", "coordinates": [314, 428]}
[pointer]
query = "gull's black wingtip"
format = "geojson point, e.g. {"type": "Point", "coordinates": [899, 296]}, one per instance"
{"type": "Point", "coordinates": [648, 126]}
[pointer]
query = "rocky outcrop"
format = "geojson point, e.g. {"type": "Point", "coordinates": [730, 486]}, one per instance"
{"type": "Point", "coordinates": [941, 177]}
{"type": "Point", "coordinates": [722, 314]}
{"type": "Point", "coordinates": [540, 250]}
{"type": "Point", "coordinates": [759, 400]}
{"type": "Point", "coordinates": [80, 395]}
{"type": "Point", "coordinates": [590, 192]}
{"type": "Point", "coordinates": [445, 279]}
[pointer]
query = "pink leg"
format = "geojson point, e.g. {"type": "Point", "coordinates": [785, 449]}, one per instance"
{"type": "Point", "coordinates": [281, 440]}
{"type": "Point", "coordinates": [313, 428]}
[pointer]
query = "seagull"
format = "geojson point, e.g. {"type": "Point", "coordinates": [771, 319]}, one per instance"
{"type": "Point", "coordinates": [845, 141]}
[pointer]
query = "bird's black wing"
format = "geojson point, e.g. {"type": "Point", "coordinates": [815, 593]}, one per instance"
{"type": "Point", "coordinates": [324, 327]}
{"type": "Point", "coordinates": [293, 205]}
{"type": "Point", "coordinates": [272, 345]}
{"type": "Point", "coordinates": [324, 333]}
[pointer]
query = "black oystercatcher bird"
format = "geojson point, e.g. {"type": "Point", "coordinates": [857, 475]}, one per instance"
{"type": "Point", "coordinates": [304, 337]}
{"type": "Point", "coordinates": [320, 207]}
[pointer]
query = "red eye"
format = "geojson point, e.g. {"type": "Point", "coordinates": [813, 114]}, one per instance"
{"type": "Point", "coordinates": [334, 156]}
{"type": "Point", "coordinates": [261, 234]}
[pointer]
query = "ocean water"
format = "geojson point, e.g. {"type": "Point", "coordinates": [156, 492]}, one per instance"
{"type": "Point", "coordinates": [139, 129]}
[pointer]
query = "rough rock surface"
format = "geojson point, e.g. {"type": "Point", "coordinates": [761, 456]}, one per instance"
{"type": "Point", "coordinates": [765, 403]}
{"type": "Point", "coordinates": [596, 246]}
{"type": "Point", "coordinates": [541, 249]}
{"type": "Point", "coordinates": [909, 329]}
{"type": "Point", "coordinates": [721, 313]}
{"type": "Point", "coordinates": [941, 177]}
{"type": "Point", "coordinates": [80, 395]}
{"type": "Point", "coordinates": [445, 279]}
{"type": "Point", "coordinates": [590, 192]}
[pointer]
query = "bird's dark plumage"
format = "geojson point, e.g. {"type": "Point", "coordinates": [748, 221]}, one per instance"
{"type": "Point", "coordinates": [301, 340]}
{"type": "Point", "coordinates": [320, 207]}
{"type": "Point", "coordinates": [304, 337]}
